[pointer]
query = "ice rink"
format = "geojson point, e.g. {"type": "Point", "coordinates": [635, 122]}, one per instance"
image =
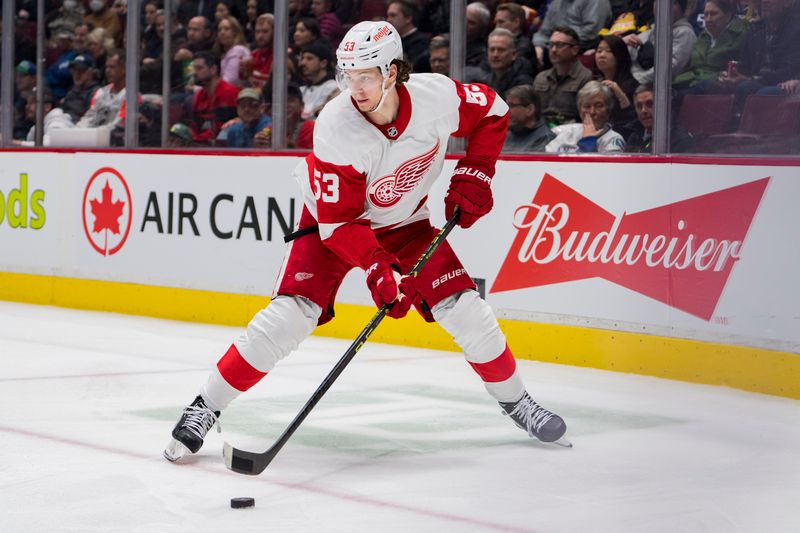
{"type": "Point", "coordinates": [407, 440]}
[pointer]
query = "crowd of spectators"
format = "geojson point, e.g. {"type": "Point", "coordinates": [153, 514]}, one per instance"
{"type": "Point", "coordinates": [577, 74]}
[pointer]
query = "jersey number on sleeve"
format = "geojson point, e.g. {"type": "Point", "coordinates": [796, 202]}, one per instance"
{"type": "Point", "coordinates": [474, 95]}
{"type": "Point", "coordinates": [326, 187]}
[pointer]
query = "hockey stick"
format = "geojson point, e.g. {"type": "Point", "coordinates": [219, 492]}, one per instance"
{"type": "Point", "coordinates": [253, 463]}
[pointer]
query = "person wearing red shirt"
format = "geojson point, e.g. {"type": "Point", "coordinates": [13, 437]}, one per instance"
{"type": "Point", "coordinates": [258, 69]}
{"type": "Point", "coordinates": [215, 103]}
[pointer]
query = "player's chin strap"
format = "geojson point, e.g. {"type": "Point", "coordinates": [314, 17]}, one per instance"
{"type": "Point", "coordinates": [383, 96]}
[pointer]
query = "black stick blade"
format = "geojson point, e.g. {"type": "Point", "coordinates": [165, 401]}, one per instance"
{"type": "Point", "coordinates": [244, 462]}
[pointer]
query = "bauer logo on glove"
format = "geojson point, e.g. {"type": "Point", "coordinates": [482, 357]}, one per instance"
{"type": "Point", "coordinates": [471, 193]}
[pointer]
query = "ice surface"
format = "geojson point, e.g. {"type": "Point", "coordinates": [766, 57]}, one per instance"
{"type": "Point", "coordinates": [407, 440]}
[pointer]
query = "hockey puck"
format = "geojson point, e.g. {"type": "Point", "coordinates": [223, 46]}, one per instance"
{"type": "Point", "coordinates": [242, 503]}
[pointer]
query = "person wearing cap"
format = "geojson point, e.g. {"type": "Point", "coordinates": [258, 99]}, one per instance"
{"type": "Point", "coordinates": [54, 117]}
{"type": "Point", "coordinates": [25, 73]}
{"type": "Point", "coordinates": [180, 136]}
{"type": "Point", "coordinates": [379, 146]}
{"type": "Point", "coordinates": [84, 84]}
{"type": "Point", "coordinates": [250, 108]}
{"type": "Point", "coordinates": [318, 81]}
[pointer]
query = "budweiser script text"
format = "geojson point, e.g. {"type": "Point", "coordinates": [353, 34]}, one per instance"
{"type": "Point", "coordinates": [544, 242]}
{"type": "Point", "coordinates": [680, 254]}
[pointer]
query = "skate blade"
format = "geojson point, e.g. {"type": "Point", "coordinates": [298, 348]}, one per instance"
{"type": "Point", "coordinates": [175, 451]}
{"type": "Point", "coordinates": [563, 442]}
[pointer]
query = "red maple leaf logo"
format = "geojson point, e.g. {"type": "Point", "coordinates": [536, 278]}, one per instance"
{"type": "Point", "coordinates": [106, 212]}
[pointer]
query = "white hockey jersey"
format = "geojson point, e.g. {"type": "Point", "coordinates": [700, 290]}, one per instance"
{"type": "Point", "coordinates": [364, 175]}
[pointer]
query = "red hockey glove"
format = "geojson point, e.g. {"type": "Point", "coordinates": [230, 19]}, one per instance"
{"type": "Point", "coordinates": [384, 281]}
{"type": "Point", "coordinates": [470, 191]}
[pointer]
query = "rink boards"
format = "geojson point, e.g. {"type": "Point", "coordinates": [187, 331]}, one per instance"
{"type": "Point", "coordinates": [679, 268]}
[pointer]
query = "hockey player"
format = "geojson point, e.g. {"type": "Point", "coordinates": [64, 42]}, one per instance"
{"type": "Point", "coordinates": [378, 147]}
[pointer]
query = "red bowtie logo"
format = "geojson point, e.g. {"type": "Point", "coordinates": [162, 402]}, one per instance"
{"type": "Point", "coordinates": [680, 254]}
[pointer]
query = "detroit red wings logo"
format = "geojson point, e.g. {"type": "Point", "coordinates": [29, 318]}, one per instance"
{"type": "Point", "coordinates": [387, 191]}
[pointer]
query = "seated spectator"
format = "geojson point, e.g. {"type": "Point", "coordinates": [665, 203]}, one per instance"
{"type": "Point", "coordinates": [66, 18]}
{"type": "Point", "coordinates": [642, 49]}
{"type": "Point", "coordinates": [299, 132]}
{"type": "Point", "coordinates": [79, 98]}
{"type": "Point", "coordinates": [770, 56]}
{"type": "Point", "coordinates": [402, 15]}
{"type": "Point", "coordinates": [257, 71]}
{"type": "Point", "coordinates": [250, 108]}
{"type": "Point", "coordinates": [558, 86]}
{"type": "Point", "coordinates": [316, 69]}
{"type": "Point", "coordinates": [504, 69]}
{"type": "Point", "coordinates": [439, 55]}
{"type": "Point", "coordinates": [720, 42]}
{"type": "Point", "coordinates": [215, 103]}
{"type": "Point", "coordinates": [594, 134]}
{"type": "Point", "coordinates": [584, 17]}
{"type": "Point", "coordinates": [306, 31]}
{"type": "Point", "coordinates": [249, 23]}
{"type": "Point", "coordinates": [330, 27]}
{"type": "Point", "coordinates": [478, 20]}
{"type": "Point", "coordinates": [100, 16]}
{"type": "Point", "coordinates": [226, 8]}
{"type": "Point", "coordinates": [527, 132]}
{"type": "Point", "coordinates": [199, 38]}
{"type": "Point", "coordinates": [24, 83]}
{"type": "Point", "coordinates": [613, 69]}
{"type": "Point", "coordinates": [231, 46]}
{"type": "Point", "coordinates": [54, 117]}
{"type": "Point", "coordinates": [59, 78]}
{"type": "Point", "coordinates": [98, 44]}
{"type": "Point", "coordinates": [152, 45]}
{"type": "Point", "coordinates": [640, 140]}
{"type": "Point", "coordinates": [120, 8]}
{"type": "Point", "coordinates": [107, 107]}
{"type": "Point", "coordinates": [512, 17]}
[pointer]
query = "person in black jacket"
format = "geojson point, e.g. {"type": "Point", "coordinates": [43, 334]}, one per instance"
{"type": "Point", "coordinates": [504, 69]}
{"type": "Point", "coordinates": [402, 15]}
{"type": "Point", "coordinates": [84, 84]}
{"type": "Point", "coordinates": [640, 136]}
{"type": "Point", "coordinates": [770, 56]}
{"type": "Point", "coordinates": [527, 131]}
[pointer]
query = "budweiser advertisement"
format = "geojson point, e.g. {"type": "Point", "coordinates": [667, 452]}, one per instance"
{"type": "Point", "coordinates": [680, 254]}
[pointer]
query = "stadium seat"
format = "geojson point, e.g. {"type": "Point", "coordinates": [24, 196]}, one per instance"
{"type": "Point", "coordinates": [769, 124]}
{"type": "Point", "coordinates": [703, 115]}
{"type": "Point", "coordinates": [587, 61]}
{"type": "Point", "coordinates": [768, 115]}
